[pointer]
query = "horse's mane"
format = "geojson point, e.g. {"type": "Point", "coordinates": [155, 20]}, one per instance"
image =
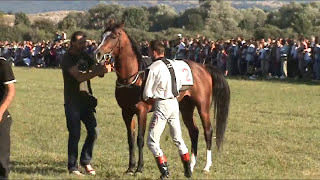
{"type": "Point", "coordinates": [111, 27]}
{"type": "Point", "coordinates": [136, 50]}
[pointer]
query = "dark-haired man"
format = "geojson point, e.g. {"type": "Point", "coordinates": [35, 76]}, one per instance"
{"type": "Point", "coordinates": [7, 92]}
{"type": "Point", "coordinates": [162, 87]}
{"type": "Point", "coordinates": [78, 68]}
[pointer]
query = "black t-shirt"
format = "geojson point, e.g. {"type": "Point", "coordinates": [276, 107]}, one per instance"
{"type": "Point", "coordinates": [72, 88]}
{"type": "Point", "coordinates": [6, 76]}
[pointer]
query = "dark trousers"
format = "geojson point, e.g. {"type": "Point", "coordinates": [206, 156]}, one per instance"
{"type": "Point", "coordinates": [5, 145]}
{"type": "Point", "coordinates": [74, 116]}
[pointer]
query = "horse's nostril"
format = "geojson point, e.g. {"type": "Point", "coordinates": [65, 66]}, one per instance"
{"type": "Point", "coordinates": [99, 54]}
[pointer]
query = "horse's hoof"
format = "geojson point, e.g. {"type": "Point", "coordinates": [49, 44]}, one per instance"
{"type": "Point", "coordinates": [139, 171]}
{"type": "Point", "coordinates": [206, 171]}
{"type": "Point", "coordinates": [129, 172]}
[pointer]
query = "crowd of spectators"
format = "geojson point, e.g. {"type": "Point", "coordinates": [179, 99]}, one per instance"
{"type": "Point", "coordinates": [266, 58]}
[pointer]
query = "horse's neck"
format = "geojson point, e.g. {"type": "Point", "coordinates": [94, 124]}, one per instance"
{"type": "Point", "coordinates": [127, 62]}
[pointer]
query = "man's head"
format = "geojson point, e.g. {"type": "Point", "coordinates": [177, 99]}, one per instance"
{"type": "Point", "coordinates": [156, 49]}
{"type": "Point", "coordinates": [78, 41]}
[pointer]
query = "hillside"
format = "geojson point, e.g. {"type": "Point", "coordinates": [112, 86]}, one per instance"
{"type": "Point", "coordinates": [54, 16]}
{"type": "Point", "coordinates": [32, 7]}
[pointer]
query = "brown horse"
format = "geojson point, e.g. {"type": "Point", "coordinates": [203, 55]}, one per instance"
{"type": "Point", "coordinates": [209, 85]}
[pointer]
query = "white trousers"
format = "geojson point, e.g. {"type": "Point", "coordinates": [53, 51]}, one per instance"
{"type": "Point", "coordinates": [166, 111]}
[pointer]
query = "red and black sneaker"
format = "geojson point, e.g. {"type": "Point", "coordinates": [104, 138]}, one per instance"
{"type": "Point", "coordinates": [163, 166]}
{"type": "Point", "coordinates": [185, 158]}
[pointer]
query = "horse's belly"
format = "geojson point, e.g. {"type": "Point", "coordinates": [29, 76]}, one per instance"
{"type": "Point", "coordinates": [128, 97]}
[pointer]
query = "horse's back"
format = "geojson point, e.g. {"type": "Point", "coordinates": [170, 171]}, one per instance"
{"type": "Point", "coordinates": [202, 86]}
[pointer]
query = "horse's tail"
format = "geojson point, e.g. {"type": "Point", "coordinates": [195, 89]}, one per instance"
{"type": "Point", "coordinates": [221, 97]}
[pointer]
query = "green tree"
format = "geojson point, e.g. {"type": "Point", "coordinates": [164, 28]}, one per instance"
{"type": "Point", "coordinates": [21, 18]}
{"type": "Point", "coordinates": [301, 24]}
{"type": "Point", "coordinates": [161, 17]}
{"type": "Point", "coordinates": [221, 17]}
{"type": "Point", "coordinates": [252, 18]}
{"type": "Point", "coordinates": [195, 22]}
{"type": "Point", "coordinates": [73, 21]}
{"type": "Point", "coordinates": [135, 17]}
{"type": "Point", "coordinates": [192, 19]}
{"type": "Point", "coordinates": [268, 31]}
{"type": "Point", "coordinates": [99, 15]}
{"type": "Point", "coordinates": [44, 24]}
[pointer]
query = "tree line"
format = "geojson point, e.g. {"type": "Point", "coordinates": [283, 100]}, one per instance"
{"type": "Point", "coordinates": [214, 19]}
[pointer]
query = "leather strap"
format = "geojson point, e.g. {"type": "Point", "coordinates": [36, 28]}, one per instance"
{"type": "Point", "coordinates": [173, 77]}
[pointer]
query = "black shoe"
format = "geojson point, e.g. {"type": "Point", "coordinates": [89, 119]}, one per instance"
{"type": "Point", "coordinates": [163, 166]}
{"type": "Point", "coordinates": [186, 165]}
{"type": "Point", "coordinates": [164, 170]}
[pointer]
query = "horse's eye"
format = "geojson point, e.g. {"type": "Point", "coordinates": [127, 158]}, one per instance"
{"type": "Point", "coordinates": [114, 36]}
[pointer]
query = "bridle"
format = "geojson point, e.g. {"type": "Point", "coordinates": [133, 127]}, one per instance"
{"type": "Point", "coordinates": [109, 59]}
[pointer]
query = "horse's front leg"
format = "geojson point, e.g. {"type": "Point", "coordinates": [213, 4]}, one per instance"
{"type": "Point", "coordinates": [142, 110]}
{"type": "Point", "coordinates": [130, 124]}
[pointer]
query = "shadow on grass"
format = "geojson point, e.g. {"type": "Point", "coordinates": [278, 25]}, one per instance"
{"type": "Point", "coordinates": [274, 80]}
{"type": "Point", "coordinates": [39, 167]}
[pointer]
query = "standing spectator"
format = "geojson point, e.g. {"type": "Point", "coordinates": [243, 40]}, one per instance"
{"type": "Point", "coordinates": [144, 48]}
{"type": "Point", "coordinates": [294, 59]}
{"type": "Point", "coordinates": [167, 50]}
{"type": "Point", "coordinates": [63, 36]}
{"type": "Point", "coordinates": [222, 60]}
{"type": "Point", "coordinates": [191, 51]}
{"type": "Point", "coordinates": [57, 36]}
{"type": "Point", "coordinates": [307, 60]}
{"type": "Point", "coordinates": [7, 92]}
{"type": "Point", "coordinates": [232, 53]}
{"type": "Point", "coordinates": [317, 57]}
{"type": "Point", "coordinates": [276, 58]}
{"type": "Point", "coordinates": [181, 53]}
{"type": "Point", "coordinates": [212, 54]}
{"type": "Point", "coordinates": [264, 56]}
{"type": "Point", "coordinates": [284, 51]}
{"type": "Point", "coordinates": [251, 52]}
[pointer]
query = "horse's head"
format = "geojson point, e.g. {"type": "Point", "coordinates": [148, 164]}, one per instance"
{"type": "Point", "coordinates": [110, 45]}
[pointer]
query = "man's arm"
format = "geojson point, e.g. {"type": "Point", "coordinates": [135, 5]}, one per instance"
{"type": "Point", "coordinates": [99, 70]}
{"type": "Point", "coordinates": [8, 96]}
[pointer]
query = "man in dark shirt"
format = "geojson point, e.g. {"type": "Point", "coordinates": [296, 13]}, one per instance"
{"type": "Point", "coordinates": [7, 93]}
{"type": "Point", "coordinates": [78, 68]}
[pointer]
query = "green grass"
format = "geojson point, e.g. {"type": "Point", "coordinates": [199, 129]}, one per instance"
{"type": "Point", "coordinates": [273, 132]}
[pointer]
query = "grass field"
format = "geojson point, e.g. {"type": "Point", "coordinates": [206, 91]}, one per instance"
{"type": "Point", "coordinates": [273, 132]}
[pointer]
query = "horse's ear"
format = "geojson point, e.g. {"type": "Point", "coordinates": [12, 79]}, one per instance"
{"type": "Point", "coordinates": [111, 21]}
{"type": "Point", "coordinates": [122, 24]}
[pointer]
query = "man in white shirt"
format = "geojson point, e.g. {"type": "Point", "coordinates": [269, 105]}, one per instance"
{"type": "Point", "coordinates": [162, 88]}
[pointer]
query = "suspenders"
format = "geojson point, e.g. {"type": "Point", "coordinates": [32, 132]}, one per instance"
{"type": "Point", "coordinates": [173, 77]}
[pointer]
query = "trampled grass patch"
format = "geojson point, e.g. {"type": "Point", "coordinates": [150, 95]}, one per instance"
{"type": "Point", "coordinates": [273, 132]}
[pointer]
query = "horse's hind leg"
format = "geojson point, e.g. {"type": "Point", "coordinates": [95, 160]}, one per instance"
{"type": "Point", "coordinates": [186, 109]}
{"type": "Point", "coordinates": [204, 112]}
{"type": "Point", "coordinates": [130, 124]}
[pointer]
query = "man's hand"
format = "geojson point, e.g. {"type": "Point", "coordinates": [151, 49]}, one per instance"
{"type": "Point", "coordinates": [101, 69]}
{"type": "Point", "coordinates": [1, 114]}
{"type": "Point", "coordinates": [109, 67]}
{"type": "Point", "coordinates": [150, 101]}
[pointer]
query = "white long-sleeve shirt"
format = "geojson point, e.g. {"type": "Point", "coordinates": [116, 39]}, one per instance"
{"type": "Point", "coordinates": [158, 83]}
